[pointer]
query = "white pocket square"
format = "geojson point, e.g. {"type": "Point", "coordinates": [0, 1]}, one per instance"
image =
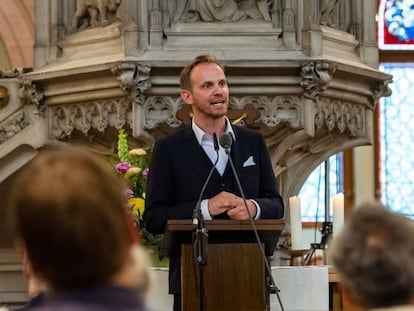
{"type": "Point", "coordinates": [249, 162]}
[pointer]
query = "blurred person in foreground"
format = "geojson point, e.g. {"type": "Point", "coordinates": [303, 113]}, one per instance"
{"type": "Point", "coordinates": [69, 218]}
{"type": "Point", "coordinates": [374, 257]}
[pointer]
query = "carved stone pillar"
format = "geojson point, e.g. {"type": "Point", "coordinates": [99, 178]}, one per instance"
{"type": "Point", "coordinates": [289, 36]}
{"type": "Point", "coordinates": [156, 33]}
{"type": "Point", "coordinates": [311, 31]}
{"type": "Point", "coordinates": [130, 12]}
{"type": "Point", "coordinates": [134, 79]}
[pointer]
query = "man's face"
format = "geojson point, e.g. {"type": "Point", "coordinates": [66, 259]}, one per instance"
{"type": "Point", "coordinates": [209, 96]}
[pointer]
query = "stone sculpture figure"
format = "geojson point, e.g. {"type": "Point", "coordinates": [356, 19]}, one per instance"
{"type": "Point", "coordinates": [221, 10]}
{"type": "Point", "coordinates": [328, 9]}
{"type": "Point", "coordinates": [94, 13]}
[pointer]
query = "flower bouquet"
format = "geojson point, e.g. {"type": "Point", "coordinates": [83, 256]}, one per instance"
{"type": "Point", "coordinates": [133, 168]}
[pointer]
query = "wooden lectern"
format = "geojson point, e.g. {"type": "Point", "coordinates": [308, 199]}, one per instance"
{"type": "Point", "coordinates": [234, 277]}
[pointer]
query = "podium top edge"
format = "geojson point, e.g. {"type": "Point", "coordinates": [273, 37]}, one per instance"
{"type": "Point", "coordinates": [228, 225]}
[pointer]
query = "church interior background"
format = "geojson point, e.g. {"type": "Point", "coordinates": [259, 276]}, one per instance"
{"type": "Point", "coordinates": [311, 75]}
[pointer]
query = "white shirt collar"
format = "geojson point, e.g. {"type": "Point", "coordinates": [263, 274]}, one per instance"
{"type": "Point", "coordinates": [199, 133]}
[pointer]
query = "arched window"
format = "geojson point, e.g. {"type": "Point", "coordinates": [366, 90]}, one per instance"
{"type": "Point", "coordinates": [313, 194]}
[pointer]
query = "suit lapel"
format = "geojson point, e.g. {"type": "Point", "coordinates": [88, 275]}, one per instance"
{"type": "Point", "coordinates": [196, 156]}
{"type": "Point", "coordinates": [235, 151]}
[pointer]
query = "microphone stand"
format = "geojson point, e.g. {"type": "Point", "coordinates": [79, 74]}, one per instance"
{"type": "Point", "coordinates": [200, 244]}
{"type": "Point", "coordinates": [200, 234]}
{"type": "Point", "coordinates": [326, 229]}
{"type": "Point", "coordinates": [273, 289]}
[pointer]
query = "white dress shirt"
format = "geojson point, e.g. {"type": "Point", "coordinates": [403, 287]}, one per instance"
{"type": "Point", "coordinates": [207, 142]}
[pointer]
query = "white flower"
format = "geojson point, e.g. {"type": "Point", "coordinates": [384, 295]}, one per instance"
{"type": "Point", "coordinates": [132, 171]}
{"type": "Point", "coordinates": [137, 152]}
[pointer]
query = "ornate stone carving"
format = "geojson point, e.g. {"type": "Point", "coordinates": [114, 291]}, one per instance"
{"type": "Point", "coordinates": [31, 94]}
{"type": "Point", "coordinates": [161, 109]}
{"type": "Point", "coordinates": [11, 73]}
{"type": "Point", "coordinates": [316, 77]}
{"type": "Point", "coordinates": [281, 109]}
{"type": "Point", "coordinates": [342, 116]}
{"type": "Point", "coordinates": [13, 125]}
{"type": "Point", "coordinates": [98, 115]}
{"type": "Point", "coordinates": [134, 79]}
{"type": "Point", "coordinates": [88, 11]}
{"type": "Point", "coordinates": [379, 90]}
{"type": "Point", "coordinates": [329, 13]}
{"type": "Point", "coordinates": [4, 96]}
{"type": "Point", "coordinates": [28, 91]}
{"type": "Point", "coordinates": [221, 11]}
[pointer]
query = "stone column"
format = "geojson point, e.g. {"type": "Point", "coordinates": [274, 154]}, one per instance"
{"type": "Point", "coordinates": [311, 32]}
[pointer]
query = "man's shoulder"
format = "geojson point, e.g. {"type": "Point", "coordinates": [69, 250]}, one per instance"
{"type": "Point", "coordinates": [79, 307]}
{"type": "Point", "coordinates": [173, 138]}
{"type": "Point", "coordinates": [91, 299]}
{"type": "Point", "coordinates": [241, 131]}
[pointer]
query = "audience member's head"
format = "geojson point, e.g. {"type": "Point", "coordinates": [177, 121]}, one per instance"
{"type": "Point", "coordinates": [374, 256]}
{"type": "Point", "coordinates": [67, 212]}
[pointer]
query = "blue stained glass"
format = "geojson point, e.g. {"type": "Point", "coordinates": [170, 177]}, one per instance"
{"type": "Point", "coordinates": [312, 193]}
{"type": "Point", "coordinates": [396, 24]}
{"type": "Point", "coordinates": [397, 140]}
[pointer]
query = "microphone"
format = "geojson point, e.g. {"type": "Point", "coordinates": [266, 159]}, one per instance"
{"type": "Point", "coordinates": [226, 141]}
{"type": "Point", "coordinates": [216, 146]}
{"type": "Point", "coordinates": [200, 237]}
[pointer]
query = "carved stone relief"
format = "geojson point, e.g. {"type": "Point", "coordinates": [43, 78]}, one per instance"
{"type": "Point", "coordinates": [280, 110]}
{"type": "Point", "coordinates": [11, 72]}
{"type": "Point", "coordinates": [134, 79]}
{"type": "Point", "coordinates": [94, 13]}
{"type": "Point", "coordinates": [28, 92]}
{"type": "Point", "coordinates": [98, 115]}
{"type": "Point", "coordinates": [379, 90]}
{"type": "Point", "coordinates": [329, 13]}
{"type": "Point", "coordinates": [31, 94]}
{"type": "Point", "coordinates": [221, 10]}
{"type": "Point", "coordinates": [342, 116]}
{"type": "Point", "coordinates": [13, 126]}
{"type": "Point", "coordinates": [316, 77]}
{"type": "Point", "coordinates": [161, 109]}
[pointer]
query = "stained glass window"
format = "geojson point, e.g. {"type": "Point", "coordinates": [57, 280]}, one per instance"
{"type": "Point", "coordinates": [396, 25]}
{"type": "Point", "coordinates": [312, 193]}
{"type": "Point", "coordinates": [397, 140]}
{"type": "Point", "coordinates": [396, 32]}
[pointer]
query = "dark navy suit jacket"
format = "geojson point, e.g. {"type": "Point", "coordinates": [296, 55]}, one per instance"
{"type": "Point", "coordinates": [180, 167]}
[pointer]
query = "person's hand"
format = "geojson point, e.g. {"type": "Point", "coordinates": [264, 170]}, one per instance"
{"type": "Point", "coordinates": [239, 212]}
{"type": "Point", "coordinates": [222, 202]}
{"type": "Point", "coordinates": [232, 204]}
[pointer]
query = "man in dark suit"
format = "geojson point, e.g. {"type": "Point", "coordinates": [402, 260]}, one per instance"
{"type": "Point", "coordinates": [182, 162]}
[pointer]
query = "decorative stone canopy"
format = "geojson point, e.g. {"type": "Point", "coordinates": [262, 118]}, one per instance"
{"type": "Point", "coordinates": [303, 72]}
{"type": "Point", "coordinates": [309, 86]}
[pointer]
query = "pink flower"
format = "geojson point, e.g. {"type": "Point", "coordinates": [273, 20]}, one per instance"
{"type": "Point", "coordinates": [122, 167]}
{"type": "Point", "coordinates": [145, 173]}
{"type": "Point", "coordinates": [129, 193]}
